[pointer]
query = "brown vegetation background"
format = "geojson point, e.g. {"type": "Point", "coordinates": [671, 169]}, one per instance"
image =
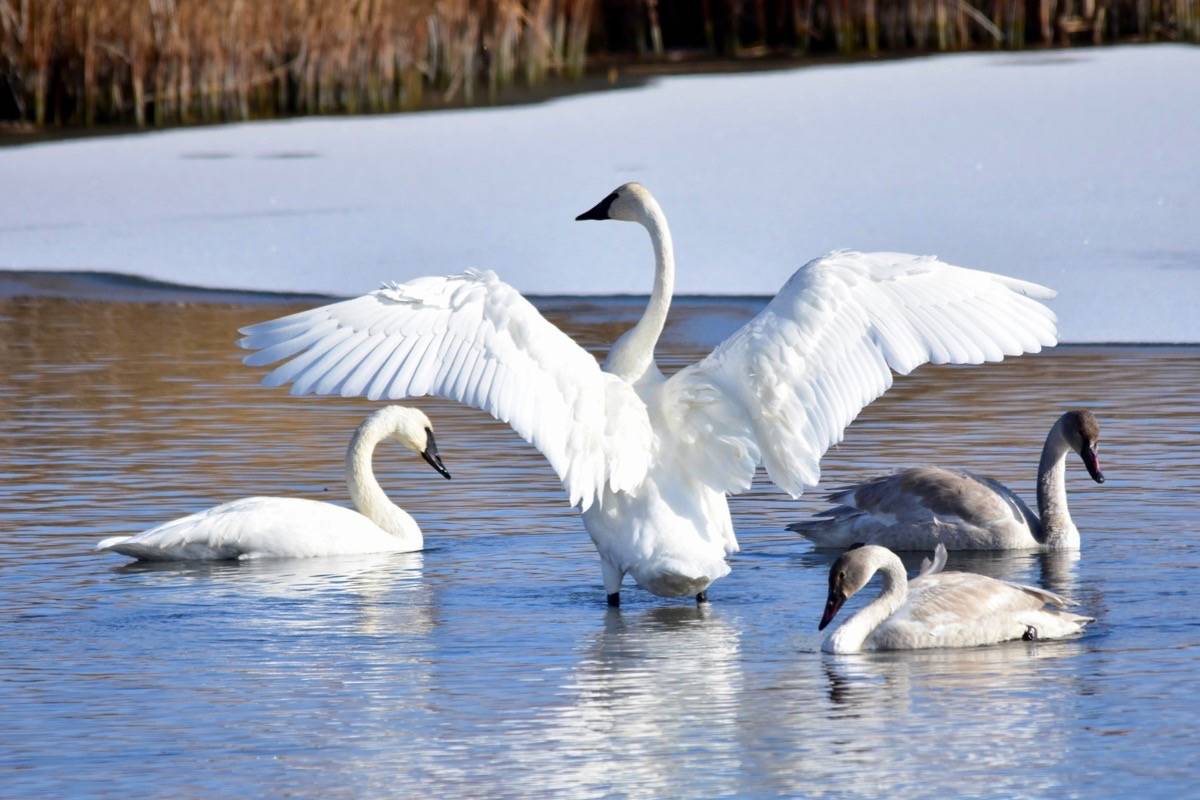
{"type": "Point", "coordinates": [168, 62]}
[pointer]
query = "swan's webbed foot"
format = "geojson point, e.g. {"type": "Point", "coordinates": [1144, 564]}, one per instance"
{"type": "Point", "coordinates": [1030, 634]}
{"type": "Point", "coordinates": [614, 600]}
{"type": "Point", "coordinates": [702, 597]}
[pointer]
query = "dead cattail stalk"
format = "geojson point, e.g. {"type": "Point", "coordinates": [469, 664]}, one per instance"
{"type": "Point", "coordinates": [161, 62]}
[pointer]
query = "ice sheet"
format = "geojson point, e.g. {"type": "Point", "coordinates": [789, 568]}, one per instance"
{"type": "Point", "coordinates": [1078, 169]}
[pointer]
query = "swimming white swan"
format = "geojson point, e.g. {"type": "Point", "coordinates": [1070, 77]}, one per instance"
{"type": "Point", "coordinates": [650, 459]}
{"type": "Point", "coordinates": [936, 609]}
{"type": "Point", "coordinates": [921, 507]}
{"type": "Point", "coordinates": [292, 527]}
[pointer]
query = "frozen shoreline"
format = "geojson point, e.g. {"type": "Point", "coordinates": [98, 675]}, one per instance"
{"type": "Point", "coordinates": [1075, 169]}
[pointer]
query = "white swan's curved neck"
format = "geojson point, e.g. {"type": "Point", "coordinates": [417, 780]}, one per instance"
{"type": "Point", "coordinates": [1057, 528]}
{"type": "Point", "coordinates": [365, 492]}
{"type": "Point", "coordinates": [633, 353]}
{"type": "Point", "coordinates": [850, 636]}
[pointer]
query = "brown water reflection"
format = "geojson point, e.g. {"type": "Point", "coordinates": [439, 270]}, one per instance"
{"type": "Point", "coordinates": [489, 660]}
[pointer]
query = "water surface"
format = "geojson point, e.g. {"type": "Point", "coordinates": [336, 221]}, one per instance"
{"type": "Point", "coordinates": [489, 664]}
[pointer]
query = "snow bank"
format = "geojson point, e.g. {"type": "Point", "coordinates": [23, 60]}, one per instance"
{"type": "Point", "coordinates": [1077, 169]}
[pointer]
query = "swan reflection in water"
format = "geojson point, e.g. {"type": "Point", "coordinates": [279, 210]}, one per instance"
{"type": "Point", "coordinates": [855, 722]}
{"type": "Point", "coordinates": [1007, 709]}
{"type": "Point", "coordinates": [653, 699]}
{"type": "Point", "coordinates": [381, 593]}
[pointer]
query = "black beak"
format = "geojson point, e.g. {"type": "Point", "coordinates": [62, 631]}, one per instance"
{"type": "Point", "coordinates": [1092, 462]}
{"type": "Point", "coordinates": [598, 211]}
{"type": "Point", "coordinates": [430, 454]}
{"type": "Point", "coordinates": [832, 604]}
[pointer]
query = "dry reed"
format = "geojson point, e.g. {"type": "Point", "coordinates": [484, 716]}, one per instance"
{"type": "Point", "coordinates": [166, 62]}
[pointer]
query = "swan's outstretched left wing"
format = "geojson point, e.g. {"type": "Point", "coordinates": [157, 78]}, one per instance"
{"type": "Point", "coordinates": [474, 339]}
{"type": "Point", "coordinates": [781, 390]}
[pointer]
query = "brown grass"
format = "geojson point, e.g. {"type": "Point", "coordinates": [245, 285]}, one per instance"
{"type": "Point", "coordinates": [177, 61]}
{"type": "Point", "coordinates": [166, 62]}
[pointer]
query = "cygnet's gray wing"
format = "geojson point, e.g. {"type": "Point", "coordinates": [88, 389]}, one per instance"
{"type": "Point", "coordinates": [917, 508]}
{"type": "Point", "coordinates": [924, 493]}
{"type": "Point", "coordinates": [962, 609]}
{"type": "Point", "coordinates": [957, 596]}
{"type": "Point", "coordinates": [1013, 506]}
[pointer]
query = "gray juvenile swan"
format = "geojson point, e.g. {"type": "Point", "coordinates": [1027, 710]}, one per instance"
{"type": "Point", "coordinates": [922, 507]}
{"type": "Point", "coordinates": [936, 609]}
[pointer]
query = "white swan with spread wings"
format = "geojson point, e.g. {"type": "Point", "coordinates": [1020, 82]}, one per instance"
{"type": "Point", "coordinates": [649, 459]}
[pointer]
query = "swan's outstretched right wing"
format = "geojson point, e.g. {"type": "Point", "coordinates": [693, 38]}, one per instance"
{"type": "Point", "coordinates": [474, 339]}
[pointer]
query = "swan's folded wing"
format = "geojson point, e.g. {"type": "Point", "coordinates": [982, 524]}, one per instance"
{"type": "Point", "coordinates": [956, 598]}
{"type": "Point", "coordinates": [782, 389]}
{"type": "Point", "coordinates": [474, 339]}
{"type": "Point", "coordinates": [920, 496]}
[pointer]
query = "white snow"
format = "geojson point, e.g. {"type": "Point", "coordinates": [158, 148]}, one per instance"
{"type": "Point", "coordinates": [1079, 169]}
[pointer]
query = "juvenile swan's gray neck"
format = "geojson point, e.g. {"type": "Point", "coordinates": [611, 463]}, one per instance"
{"type": "Point", "coordinates": [633, 353]}
{"type": "Point", "coordinates": [1057, 529]}
{"type": "Point", "coordinates": [365, 492]}
{"type": "Point", "coordinates": [850, 636]}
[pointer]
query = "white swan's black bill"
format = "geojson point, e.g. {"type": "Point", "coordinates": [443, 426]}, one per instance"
{"type": "Point", "coordinates": [598, 211]}
{"type": "Point", "coordinates": [430, 454]}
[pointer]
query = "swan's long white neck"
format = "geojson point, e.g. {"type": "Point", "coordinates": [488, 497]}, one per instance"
{"type": "Point", "coordinates": [365, 492]}
{"type": "Point", "coordinates": [1057, 529]}
{"type": "Point", "coordinates": [633, 353]}
{"type": "Point", "coordinates": [850, 636]}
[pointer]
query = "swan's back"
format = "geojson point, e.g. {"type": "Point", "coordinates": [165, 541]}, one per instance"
{"type": "Point", "coordinates": [918, 507]}
{"type": "Point", "coordinates": [261, 527]}
{"type": "Point", "coordinates": [963, 609]}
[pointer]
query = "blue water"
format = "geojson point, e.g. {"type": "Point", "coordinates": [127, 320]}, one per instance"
{"type": "Point", "coordinates": [489, 664]}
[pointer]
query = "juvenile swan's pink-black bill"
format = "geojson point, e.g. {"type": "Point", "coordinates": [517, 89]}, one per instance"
{"type": "Point", "coordinates": [832, 604]}
{"type": "Point", "coordinates": [1091, 460]}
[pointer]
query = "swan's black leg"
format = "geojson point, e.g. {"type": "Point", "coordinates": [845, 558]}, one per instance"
{"type": "Point", "coordinates": [702, 597]}
{"type": "Point", "coordinates": [1030, 634]}
{"type": "Point", "coordinates": [614, 599]}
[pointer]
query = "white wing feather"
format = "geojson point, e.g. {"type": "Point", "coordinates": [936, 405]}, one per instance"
{"type": "Point", "coordinates": [474, 339]}
{"type": "Point", "coordinates": [781, 390]}
{"type": "Point", "coordinates": [940, 556]}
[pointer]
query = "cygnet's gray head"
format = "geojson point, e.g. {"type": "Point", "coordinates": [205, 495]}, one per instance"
{"type": "Point", "coordinates": [1082, 433]}
{"type": "Point", "coordinates": [849, 573]}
